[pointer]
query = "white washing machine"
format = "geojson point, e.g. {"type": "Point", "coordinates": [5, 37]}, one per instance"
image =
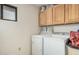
{"type": "Point", "coordinates": [48, 44]}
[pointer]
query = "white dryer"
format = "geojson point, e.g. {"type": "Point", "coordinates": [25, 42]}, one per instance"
{"type": "Point", "coordinates": [48, 44]}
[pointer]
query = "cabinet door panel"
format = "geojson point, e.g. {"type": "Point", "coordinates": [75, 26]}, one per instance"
{"type": "Point", "coordinates": [49, 16]}
{"type": "Point", "coordinates": [43, 18]}
{"type": "Point", "coordinates": [58, 14]}
{"type": "Point", "coordinates": [71, 13]}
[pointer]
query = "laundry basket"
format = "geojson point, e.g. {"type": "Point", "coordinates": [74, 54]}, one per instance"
{"type": "Point", "coordinates": [71, 50]}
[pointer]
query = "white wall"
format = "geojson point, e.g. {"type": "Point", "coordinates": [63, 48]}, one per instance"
{"type": "Point", "coordinates": [16, 35]}
{"type": "Point", "coordinates": [60, 28]}
{"type": "Point", "coordinates": [66, 28]}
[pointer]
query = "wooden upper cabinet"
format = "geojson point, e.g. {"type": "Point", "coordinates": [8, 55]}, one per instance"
{"type": "Point", "coordinates": [46, 17]}
{"type": "Point", "coordinates": [58, 14]}
{"type": "Point", "coordinates": [42, 21]}
{"type": "Point", "coordinates": [71, 13]}
{"type": "Point", "coordinates": [49, 16]}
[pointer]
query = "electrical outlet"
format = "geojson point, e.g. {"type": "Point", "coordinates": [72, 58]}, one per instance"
{"type": "Point", "coordinates": [19, 49]}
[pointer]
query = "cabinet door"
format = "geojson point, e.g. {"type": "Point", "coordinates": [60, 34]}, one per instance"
{"type": "Point", "coordinates": [49, 16]}
{"type": "Point", "coordinates": [71, 13]}
{"type": "Point", "coordinates": [58, 14]}
{"type": "Point", "coordinates": [43, 18]}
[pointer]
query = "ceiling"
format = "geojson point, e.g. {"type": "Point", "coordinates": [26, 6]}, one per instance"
{"type": "Point", "coordinates": [39, 5]}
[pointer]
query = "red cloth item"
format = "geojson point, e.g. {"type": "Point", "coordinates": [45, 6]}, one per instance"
{"type": "Point", "coordinates": [74, 38]}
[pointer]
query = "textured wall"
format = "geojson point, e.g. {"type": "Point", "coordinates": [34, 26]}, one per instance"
{"type": "Point", "coordinates": [15, 37]}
